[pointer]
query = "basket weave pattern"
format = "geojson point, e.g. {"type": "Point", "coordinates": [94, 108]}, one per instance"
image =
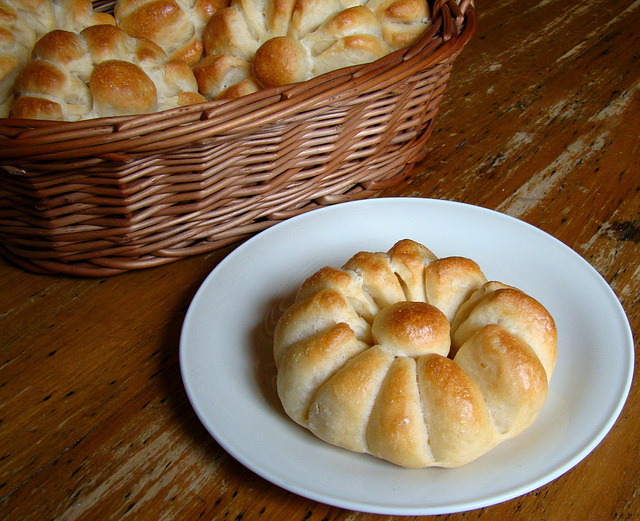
{"type": "Point", "coordinates": [99, 197]}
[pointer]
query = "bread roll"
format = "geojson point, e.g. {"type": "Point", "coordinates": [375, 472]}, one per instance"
{"type": "Point", "coordinates": [175, 25]}
{"type": "Point", "coordinates": [225, 75]}
{"type": "Point", "coordinates": [100, 72]}
{"type": "Point", "coordinates": [278, 42]}
{"type": "Point", "coordinates": [22, 22]}
{"type": "Point", "coordinates": [16, 39]}
{"type": "Point", "coordinates": [416, 360]}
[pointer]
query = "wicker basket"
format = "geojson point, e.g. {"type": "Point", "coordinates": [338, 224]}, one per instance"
{"type": "Point", "coordinates": [99, 197]}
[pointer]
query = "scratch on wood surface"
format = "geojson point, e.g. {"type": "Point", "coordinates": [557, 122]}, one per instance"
{"type": "Point", "coordinates": [626, 286]}
{"type": "Point", "coordinates": [630, 291]}
{"type": "Point", "coordinates": [619, 233]}
{"type": "Point", "coordinates": [540, 185]}
{"type": "Point", "coordinates": [511, 149]}
{"type": "Point", "coordinates": [562, 109]}
{"type": "Point", "coordinates": [584, 147]}
{"type": "Point", "coordinates": [619, 105]}
{"type": "Point", "coordinates": [588, 38]}
{"type": "Point", "coordinates": [605, 256]}
{"type": "Point", "coordinates": [555, 25]}
{"type": "Point", "coordinates": [519, 138]}
{"type": "Point", "coordinates": [163, 478]}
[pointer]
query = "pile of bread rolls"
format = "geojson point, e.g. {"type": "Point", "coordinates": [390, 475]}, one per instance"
{"type": "Point", "coordinates": [62, 60]}
{"type": "Point", "coordinates": [251, 44]}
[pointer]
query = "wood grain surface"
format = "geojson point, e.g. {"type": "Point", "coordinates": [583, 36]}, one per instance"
{"type": "Point", "coordinates": [541, 121]}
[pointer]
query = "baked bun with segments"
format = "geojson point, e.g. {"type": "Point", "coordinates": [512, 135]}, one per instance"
{"type": "Point", "coordinates": [22, 22]}
{"type": "Point", "coordinates": [174, 25]}
{"type": "Point", "coordinates": [414, 359]}
{"type": "Point", "coordinates": [268, 43]}
{"type": "Point", "coordinates": [102, 71]}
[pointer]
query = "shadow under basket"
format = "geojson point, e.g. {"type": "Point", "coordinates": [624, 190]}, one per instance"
{"type": "Point", "coordinates": [103, 196]}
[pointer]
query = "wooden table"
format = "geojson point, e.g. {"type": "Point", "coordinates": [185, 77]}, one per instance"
{"type": "Point", "coordinates": [541, 122]}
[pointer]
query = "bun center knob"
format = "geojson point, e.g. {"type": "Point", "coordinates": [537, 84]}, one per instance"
{"type": "Point", "coordinates": [280, 61]}
{"type": "Point", "coordinates": [412, 329]}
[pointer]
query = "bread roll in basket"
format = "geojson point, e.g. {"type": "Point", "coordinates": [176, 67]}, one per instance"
{"type": "Point", "coordinates": [413, 359]}
{"type": "Point", "coordinates": [175, 25]}
{"type": "Point", "coordinates": [102, 71]}
{"type": "Point", "coordinates": [22, 23]}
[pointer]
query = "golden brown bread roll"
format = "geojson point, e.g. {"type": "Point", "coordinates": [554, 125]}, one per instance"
{"type": "Point", "coordinates": [100, 72]}
{"type": "Point", "coordinates": [174, 25]}
{"type": "Point", "coordinates": [22, 22]}
{"type": "Point", "coordinates": [16, 39]}
{"type": "Point", "coordinates": [413, 359]}
{"type": "Point", "coordinates": [43, 16]}
{"type": "Point", "coordinates": [278, 42]}
{"type": "Point", "coordinates": [229, 77]}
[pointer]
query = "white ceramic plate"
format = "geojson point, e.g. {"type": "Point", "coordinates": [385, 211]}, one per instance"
{"type": "Point", "coordinates": [229, 374]}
